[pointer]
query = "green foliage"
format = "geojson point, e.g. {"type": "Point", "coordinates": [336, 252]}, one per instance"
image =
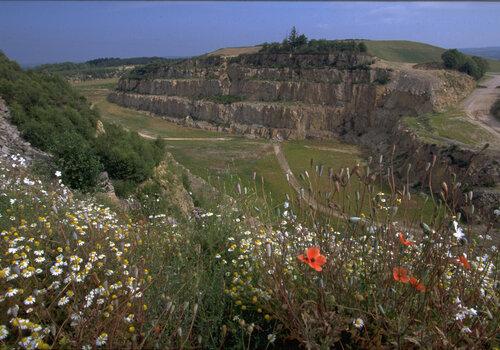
{"type": "Point", "coordinates": [300, 44]}
{"type": "Point", "coordinates": [78, 162]}
{"type": "Point", "coordinates": [126, 155]}
{"type": "Point", "coordinates": [55, 118]}
{"type": "Point", "coordinates": [96, 68]}
{"type": "Point", "coordinates": [225, 99]}
{"type": "Point", "coordinates": [473, 66]}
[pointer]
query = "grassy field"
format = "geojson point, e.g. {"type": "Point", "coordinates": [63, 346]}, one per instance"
{"type": "Point", "coordinates": [451, 125]}
{"type": "Point", "coordinates": [412, 52]}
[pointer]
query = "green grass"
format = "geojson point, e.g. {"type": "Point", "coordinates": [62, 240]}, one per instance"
{"type": "Point", "coordinates": [451, 125]}
{"type": "Point", "coordinates": [404, 51]}
{"type": "Point", "coordinates": [412, 52]}
{"type": "Point", "coordinates": [338, 155]}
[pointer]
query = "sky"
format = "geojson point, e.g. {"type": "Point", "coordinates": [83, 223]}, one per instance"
{"type": "Point", "coordinates": [34, 32]}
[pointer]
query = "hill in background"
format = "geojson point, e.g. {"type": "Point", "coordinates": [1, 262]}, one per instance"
{"type": "Point", "coordinates": [414, 52]}
{"type": "Point", "coordinates": [492, 52]}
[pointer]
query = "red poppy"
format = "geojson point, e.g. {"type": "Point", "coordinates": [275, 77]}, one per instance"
{"type": "Point", "coordinates": [313, 258]}
{"type": "Point", "coordinates": [417, 285]}
{"type": "Point", "coordinates": [400, 274]}
{"type": "Point", "coordinates": [463, 260]}
{"type": "Point", "coordinates": [420, 287]}
{"type": "Point", "coordinates": [404, 241]}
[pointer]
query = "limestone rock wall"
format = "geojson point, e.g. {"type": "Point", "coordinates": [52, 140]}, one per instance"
{"type": "Point", "coordinates": [301, 95]}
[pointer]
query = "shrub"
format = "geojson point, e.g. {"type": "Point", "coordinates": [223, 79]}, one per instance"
{"type": "Point", "coordinates": [77, 160]}
{"type": "Point", "coordinates": [473, 66]}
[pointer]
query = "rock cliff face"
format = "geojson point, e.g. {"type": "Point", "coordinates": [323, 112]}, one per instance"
{"type": "Point", "coordinates": [293, 96]}
{"type": "Point", "coordinates": [11, 142]}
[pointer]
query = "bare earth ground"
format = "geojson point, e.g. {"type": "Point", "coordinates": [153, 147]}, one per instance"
{"type": "Point", "coordinates": [478, 104]}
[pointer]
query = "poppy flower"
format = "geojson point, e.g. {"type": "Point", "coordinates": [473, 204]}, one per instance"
{"type": "Point", "coordinates": [420, 287]}
{"type": "Point", "coordinates": [313, 258]}
{"type": "Point", "coordinates": [404, 241]}
{"type": "Point", "coordinates": [417, 285]}
{"type": "Point", "coordinates": [463, 260]}
{"type": "Point", "coordinates": [400, 274]}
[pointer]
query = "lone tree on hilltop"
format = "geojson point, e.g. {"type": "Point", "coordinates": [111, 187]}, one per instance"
{"type": "Point", "coordinates": [294, 40]}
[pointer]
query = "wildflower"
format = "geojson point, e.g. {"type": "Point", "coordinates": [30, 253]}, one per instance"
{"type": "Point", "coordinates": [459, 233]}
{"type": "Point", "coordinates": [11, 292]}
{"type": "Point", "coordinates": [417, 285]}
{"type": "Point", "coordinates": [57, 173]}
{"type": "Point", "coordinates": [101, 339]}
{"type": "Point", "coordinates": [313, 258]}
{"type": "Point", "coordinates": [63, 301]}
{"type": "Point", "coordinates": [3, 332]}
{"type": "Point", "coordinates": [358, 323]}
{"type": "Point", "coordinates": [463, 260]}
{"type": "Point", "coordinates": [400, 274]}
{"type": "Point", "coordinates": [55, 270]}
{"type": "Point", "coordinates": [404, 241]}
{"type": "Point", "coordinates": [271, 338]}
{"type": "Point", "coordinates": [29, 300]}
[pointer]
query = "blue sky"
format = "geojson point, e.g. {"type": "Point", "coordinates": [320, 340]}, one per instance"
{"type": "Point", "coordinates": [39, 32]}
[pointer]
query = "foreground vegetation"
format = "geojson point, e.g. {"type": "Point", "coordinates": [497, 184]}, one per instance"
{"type": "Point", "coordinates": [77, 274]}
{"type": "Point", "coordinates": [55, 118]}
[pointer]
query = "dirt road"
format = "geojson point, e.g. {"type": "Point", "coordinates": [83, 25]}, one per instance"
{"type": "Point", "coordinates": [479, 103]}
{"type": "Point", "coordinates": [151, 137]}
{"type": "Point", "coordinates": [303, 193]}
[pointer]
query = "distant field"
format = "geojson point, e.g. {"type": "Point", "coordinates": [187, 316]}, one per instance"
{"type": "Point", "coordinates": [412, 52]}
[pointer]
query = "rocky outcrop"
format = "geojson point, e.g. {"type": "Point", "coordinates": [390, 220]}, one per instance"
{"type": "Point", "coordinates": [11, 142]}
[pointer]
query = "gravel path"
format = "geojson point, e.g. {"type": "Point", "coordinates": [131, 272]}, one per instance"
{"type": "Point", "coordinates": [479, 103]}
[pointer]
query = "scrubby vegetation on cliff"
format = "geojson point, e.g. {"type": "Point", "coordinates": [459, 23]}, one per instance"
{"type": "Point", "coordinates": [53, 117]}
{"type": "Point", "coordinates": [98, 68]}
{"type": "Point", "coordinates": [300, 44]}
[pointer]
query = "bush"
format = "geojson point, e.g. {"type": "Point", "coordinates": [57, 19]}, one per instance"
{"type": "Point", "coordinates": [473, 66]}
{"type": "Point", "coordinates": [77, 160]}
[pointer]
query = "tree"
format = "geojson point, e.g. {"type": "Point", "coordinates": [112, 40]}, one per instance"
{"type": "Point", "coordinates": [294, 40]}
{"type": "Point", "coordinates": [453, 59]}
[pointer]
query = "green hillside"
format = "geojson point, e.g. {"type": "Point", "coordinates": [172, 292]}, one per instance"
{"type": "Point", "coordinates": [413, 52]}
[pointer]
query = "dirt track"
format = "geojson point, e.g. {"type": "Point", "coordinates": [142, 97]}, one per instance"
{"type": "Point", "coordinates": [303, 193]}
{"type": "Point", "coordinates": [479, 103]}
{"type": "Point", "coordinates": [151, 137]}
